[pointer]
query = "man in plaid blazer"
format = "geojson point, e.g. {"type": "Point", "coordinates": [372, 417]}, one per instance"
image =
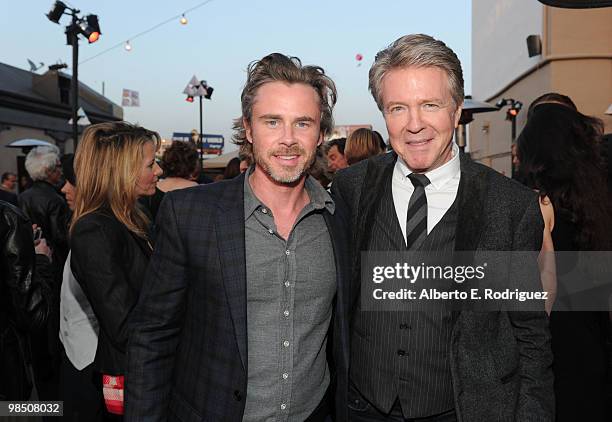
{"type": "Point", "coordinates": [235, 312]}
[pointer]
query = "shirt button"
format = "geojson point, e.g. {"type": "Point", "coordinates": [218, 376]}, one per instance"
{"type": "Point", "coordinates": [287, 284]}
{"type": "Point", "coordinates": [286, 343]}
{"type": "Point", "coordinates": [285, 376]}
{"type": "Point", "coordinates": [283, 406]}
{"type": "Point", "coordinates": [286, 313]}
{"type": "Point", "coordinates": [264, 210]}
{"type": "Point", "coordinates": [287, 252]}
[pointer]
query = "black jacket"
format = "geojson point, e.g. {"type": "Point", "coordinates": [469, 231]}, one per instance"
{"type": "Point", "coordinates": [24, 298]}
{"type": "Point", "coordinates": [45, 207]}
{"type": "Point", "coordinates": [109, 262]}
{"type": "Point", "coordinates": [500, 361]}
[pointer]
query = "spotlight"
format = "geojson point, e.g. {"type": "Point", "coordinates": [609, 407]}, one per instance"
{"type": "Point", "coordinates": [189, 98]}
{"type": "Point", "coordinates": [92, 21]}
{"type": "Point", "coordinates": [183, 20]}
{"type": "Point", "coordinates": [56, 12]}
{"type": "Point", "coordinates": [127, 46]}
{"type": "Point", "coordinates": [90, 28]}
{"type": "Point", "coordinates": [209, 91]}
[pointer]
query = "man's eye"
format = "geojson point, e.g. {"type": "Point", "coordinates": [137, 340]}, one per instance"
{"type": "Point", "coordinates": [272, 123]}
{"type": "Point", "coordinates": [396, 109]}
{"type": "Point", "coordinates": [303, 125]}
{"type": "Point", "coordinates": [431, 106]}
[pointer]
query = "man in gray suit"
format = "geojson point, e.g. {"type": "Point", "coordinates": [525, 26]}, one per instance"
{"type": "Point", "coordinates": [426, 196]}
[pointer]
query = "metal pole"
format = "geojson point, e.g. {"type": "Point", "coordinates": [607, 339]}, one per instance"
{"type": "Point", "coordinates": [74, 83]}
{"type": "Point", "coordinates": [201, 137]}
{"type": "Point", "coordinates": [513, 129]}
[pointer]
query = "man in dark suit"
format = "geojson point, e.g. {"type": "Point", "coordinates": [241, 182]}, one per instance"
{"type": "Point", "coordinates": [425, 196]}
{"type": "Point", "coordinates": [233, 318]}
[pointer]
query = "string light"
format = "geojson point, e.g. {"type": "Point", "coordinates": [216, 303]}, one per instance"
{"type": "Point", "coordinates": [183, 20]}
{"type": "Point", "coordinates": [146, 31]}
{"type": "Point", "coordinates": [127, 46]}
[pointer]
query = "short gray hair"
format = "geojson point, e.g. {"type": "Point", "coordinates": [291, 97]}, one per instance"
{"type": "Point", "coordinates": [418, 50]}
{"type": "Point", "coordinates": [40, 160]}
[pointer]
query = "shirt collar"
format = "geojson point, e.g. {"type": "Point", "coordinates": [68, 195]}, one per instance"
{"type": "Point", "coordinates": [319, 197]}
{"type": "Point", "coordinates": [438, 176]}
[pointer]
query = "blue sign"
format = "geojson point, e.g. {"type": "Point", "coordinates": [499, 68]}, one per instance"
{"type": "Point", "coordinates": [209, 141]}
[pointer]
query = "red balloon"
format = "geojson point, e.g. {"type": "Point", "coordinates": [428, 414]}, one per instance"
{"type": "Point", "coordinates": [358, 57]}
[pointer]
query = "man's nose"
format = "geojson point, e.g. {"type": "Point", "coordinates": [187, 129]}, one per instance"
{"type": "Point", "coordinates": [415, 122]}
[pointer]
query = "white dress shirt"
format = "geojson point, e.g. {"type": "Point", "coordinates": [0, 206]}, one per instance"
{"type": "Point", "coordinates": [78, 324]}
{"type": "Point", "coordinates": [440, 193]}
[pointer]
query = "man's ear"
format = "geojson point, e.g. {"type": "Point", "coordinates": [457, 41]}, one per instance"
{"type": "Point", "coordinates": [247, 129]}
{"type": "Point", "coordinates": [457, 115]}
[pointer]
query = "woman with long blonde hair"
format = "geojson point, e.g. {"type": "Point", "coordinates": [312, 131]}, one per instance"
{"type": "Point", "coordinates": [115, 165]}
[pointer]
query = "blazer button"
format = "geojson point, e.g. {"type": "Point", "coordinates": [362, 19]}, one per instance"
{"type": "Point", "coordinates": [237, 395]}
{"type": "Point", "coordinates": [401, 352]}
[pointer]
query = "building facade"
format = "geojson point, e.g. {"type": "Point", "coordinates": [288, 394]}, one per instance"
{"type": "Point", "coordinates": [576, 60]}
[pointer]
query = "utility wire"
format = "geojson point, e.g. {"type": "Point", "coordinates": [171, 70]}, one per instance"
{"type": "Point", "coordinates": [146, 31]}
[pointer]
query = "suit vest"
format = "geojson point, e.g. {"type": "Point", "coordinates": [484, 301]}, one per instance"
{"type": "Point", "coordinates": [404, 354]}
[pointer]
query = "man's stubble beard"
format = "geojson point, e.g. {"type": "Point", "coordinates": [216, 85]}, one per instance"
{"type": "Point", "coordinates": [286, 178]}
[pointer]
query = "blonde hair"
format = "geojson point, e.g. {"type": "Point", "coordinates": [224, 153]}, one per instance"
{"type": "Point", "coordinates": [361, 144]}
{"type": "Point", "coordinates": [107, 164]}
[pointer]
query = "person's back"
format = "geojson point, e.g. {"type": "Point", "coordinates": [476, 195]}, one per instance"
{"type": "Point", "coordinates": [24, 299]}
{"type": "Point", "coordinates": [173, 183]}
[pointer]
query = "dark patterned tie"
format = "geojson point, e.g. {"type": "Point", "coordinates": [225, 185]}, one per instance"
{"type": "Point", "coordinates": [416, 218]}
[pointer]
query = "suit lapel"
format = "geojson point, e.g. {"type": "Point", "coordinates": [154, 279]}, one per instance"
{"type": "Point", "coordinates": [230, 238]}
{"type": "Point", "coordinates": [472, 193]}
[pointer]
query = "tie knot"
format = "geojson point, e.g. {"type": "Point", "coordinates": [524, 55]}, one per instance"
{"type": "Point", "coordinates": [419, 180]}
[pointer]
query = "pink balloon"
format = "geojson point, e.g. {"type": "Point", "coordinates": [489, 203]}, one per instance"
{"type": "Point", "coordinates": [358, 57]}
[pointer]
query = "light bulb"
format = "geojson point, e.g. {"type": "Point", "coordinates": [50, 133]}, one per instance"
{"type": "Point", "coordinates": [127, 46]}
{"type": "Point", "coordinates": [183, 20]}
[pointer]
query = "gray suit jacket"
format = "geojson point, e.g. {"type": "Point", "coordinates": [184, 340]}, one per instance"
{"type": "Point", "coordinates": [500, 361]}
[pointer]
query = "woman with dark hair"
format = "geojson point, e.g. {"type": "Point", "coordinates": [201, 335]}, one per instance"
{"type": "Point", "coordinates": [110, 241]}
{"type": "Point", "coordinates": [559, 157]}
{"type": "Point", "coordinates": [179, 162]}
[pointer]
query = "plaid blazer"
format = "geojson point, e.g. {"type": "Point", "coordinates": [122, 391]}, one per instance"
{"type": "Point", "coordinates": [187, 350]}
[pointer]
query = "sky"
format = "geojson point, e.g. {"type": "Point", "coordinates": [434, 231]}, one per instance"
{"type": "Point", "coordinates": [221, 38]}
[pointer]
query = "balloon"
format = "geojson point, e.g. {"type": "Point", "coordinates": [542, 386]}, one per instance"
{"type": "Point", "coordinates": [358, 57]}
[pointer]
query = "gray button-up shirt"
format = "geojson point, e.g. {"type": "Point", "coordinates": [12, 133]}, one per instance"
{"type": "Point", "coordinates": [290, 288]}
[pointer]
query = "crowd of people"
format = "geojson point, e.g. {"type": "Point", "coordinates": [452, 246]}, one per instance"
{"type": "Point", "coordinates": [130, 291]}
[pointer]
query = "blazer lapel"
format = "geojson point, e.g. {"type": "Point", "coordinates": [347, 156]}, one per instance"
{"type": "Point", "coordinates": [230, 238]}
{"type": "Point", "coordinates": [472, 193]}
{"type": "Point", "coordinates": [378, 172]}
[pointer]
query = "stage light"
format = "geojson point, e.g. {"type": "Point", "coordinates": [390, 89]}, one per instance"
{"type": "Point", "coordinates": [90, 28]}
{"type": "Point", "coordinates": [56, 12]}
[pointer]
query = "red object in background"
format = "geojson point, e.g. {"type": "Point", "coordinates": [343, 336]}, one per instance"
{"type": "Point", "coordinates": [112, 389]}
{"type": "Point", "coordinates": [189, 99]}
{"type": "Point", "coordinates": [93, 37]}
{"type": "Point", "coordinates": [358, 57]}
